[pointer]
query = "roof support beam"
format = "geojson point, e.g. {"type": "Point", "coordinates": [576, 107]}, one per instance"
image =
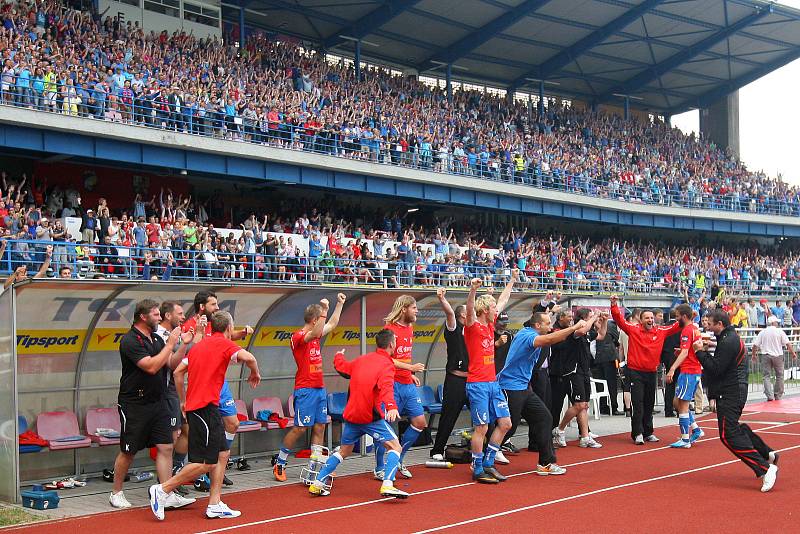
{"type": "Point", "coordinates": [656, 71]}
{"type": "Point", "coordinates": [473, 40]}
{"type": "Point", "coordinates": [705, 100]}
{"type": "Point", "coordinates": [370, 22]}
{"type": "Point", "coordinates": [570, 54]}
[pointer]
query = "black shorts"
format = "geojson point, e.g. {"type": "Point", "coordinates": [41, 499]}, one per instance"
{"type": "Point", "coordinates": [578, 387]}
{"type": "Point", "coordinates": [143, 426]}
{"type": "Point", "coordinates": [626, 379]}
{"type": "Point", "coordinates": [206, 435]}
{"type": "Point", "coordinates": [176, 419]}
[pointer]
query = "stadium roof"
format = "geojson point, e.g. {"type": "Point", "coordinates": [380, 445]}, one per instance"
{"type": "Point", "coordinates": [666, 55]}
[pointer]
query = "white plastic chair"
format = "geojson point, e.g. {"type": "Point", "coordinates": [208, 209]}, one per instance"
{"type": "Point", "coordinates": [595, 395]}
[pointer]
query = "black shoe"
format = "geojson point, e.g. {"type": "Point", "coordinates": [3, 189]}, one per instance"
{"type": "Point", "coordinates": [227, 481]}
{"type": "Point", "coordinates": [242, 465]}
{"type": "Point", "coordinates": [180, 490]}
{"type": "Point", "coordinates": [509, 448]}
{"type": "Point", "coordinates": [669, 414]}
{"type": "Point", "coordinates": [656, 411]}
{"type": "Point", "coordinates": [484, 478]}
{"type": "Point", "coordinates": [619, 412]}
{"type": "Point", "coordinates": [495, 473]}
{"type": "Point", "coordinates": [628, 413]}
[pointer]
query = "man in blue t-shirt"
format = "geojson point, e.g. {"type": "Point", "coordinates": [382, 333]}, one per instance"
{"type": "Point", "coordinates": [515, 380]}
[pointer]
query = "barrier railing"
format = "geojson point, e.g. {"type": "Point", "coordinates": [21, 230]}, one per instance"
{"type": "Point", "coordinates": [790, 365]}
{"type": "Point", "coordinates": [154, 110]}
{"type": "Point", "coordinates": [197, 264]}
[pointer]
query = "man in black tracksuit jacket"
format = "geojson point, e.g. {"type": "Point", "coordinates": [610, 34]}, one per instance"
{"type": "Point", "coordinates": [727, 372]}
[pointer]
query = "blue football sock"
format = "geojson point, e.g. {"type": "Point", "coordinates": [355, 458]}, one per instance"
{"type": "Point", "coordinates": [683, 422]}
{"type": "Point", "coordinates": [409, 438]}
{"type": "Point", "coordinates": [283, 456]}
{"type": "Point", "coordinates": [491, 451]}
{"type": "Point", "coordinates": [380, 453]}
{"type": "Point", "coordinates": [692, 424]}
{"type": "Point", "coordinates": [477, 463]}
{"type": "Point", "coordinates": [392, 463]}
{"type": "Point", "coordinates": [330, 466]}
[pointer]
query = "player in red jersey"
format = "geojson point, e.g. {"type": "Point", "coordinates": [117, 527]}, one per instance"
{"type": "Point", "coordinates": [206, 365]}
{"type": "Point", "coordinates": [310, 397]}
{"type": "Point", "coordinates": [486, 400]}
{"type": "Point", "coordinates": [370, 404]}
{"type": "Point", "coordinates": [401, 321]}
{"type": "Point", "coordinates": [688, 379]}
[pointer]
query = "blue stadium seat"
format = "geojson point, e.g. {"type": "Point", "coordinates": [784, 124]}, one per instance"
{"type": "Point", "coordinates": [22, 423]}
{"type": "Point", "coordinates": [428, 400]}
{"type": "Point", "coordinates": [440, 392]}
{"type": "Point", "coordinates": [336, 403]}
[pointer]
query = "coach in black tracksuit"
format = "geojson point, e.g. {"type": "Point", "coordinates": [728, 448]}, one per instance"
{"type": "Point", "coordinates": [727, 370]}
{"type": "Point", "coordinates": [454, 394]}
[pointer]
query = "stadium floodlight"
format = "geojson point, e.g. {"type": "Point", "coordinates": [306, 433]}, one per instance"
{"type": "Point", "coordinates": [537, 80]}
{"type": "Point", "coordinates": [355, 40]}
{"type": "Point", "coordinates": [620, 95]}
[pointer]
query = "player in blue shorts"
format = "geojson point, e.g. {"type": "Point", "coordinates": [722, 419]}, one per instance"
{"type": "Point", "coordinates": [370, 408]}
{"type": "Point", "coordinates": [401, 321]}
{"type": "Point", "coordinates": [688, 379]}
{"type": "Point", "coordinates": [310, 397]}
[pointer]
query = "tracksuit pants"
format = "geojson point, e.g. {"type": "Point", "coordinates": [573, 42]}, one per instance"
{"type": "Point", "coordinates": [643, 399]}
{"type": "Point", "coordinates": [454, 397]}
{"type": "Point", "coordinates": [526, 404]}
{"type": "Point", "coordinates": [541, 386]}
{"type": "Point", "coordinates": [557, 395]}
{"type": "Point", "coordinates": [738, 437]}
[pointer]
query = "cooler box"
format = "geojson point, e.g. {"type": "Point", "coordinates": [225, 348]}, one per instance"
{"type": "Point", "coordinates": [40, 499]}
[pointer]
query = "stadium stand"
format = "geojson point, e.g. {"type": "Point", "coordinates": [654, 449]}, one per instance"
{"type": "Point", "coordinates": [281, 94]}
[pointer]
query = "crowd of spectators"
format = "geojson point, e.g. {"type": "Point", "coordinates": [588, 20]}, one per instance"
{"type": "Point", "coordinates": [171, 236]}
{"type": "Point", "coordinates": [276, 92]}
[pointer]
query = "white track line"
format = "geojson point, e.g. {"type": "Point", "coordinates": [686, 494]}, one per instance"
{"type": "Point", "coordinates": [586, 494]}
{"type": "Point", "coordinates": [454, 486]}
{"type": "Point", "coordinates": [782, 433]}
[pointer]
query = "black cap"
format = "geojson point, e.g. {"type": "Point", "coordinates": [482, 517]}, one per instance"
{"type": "Point", "coordinates": [502, 317]}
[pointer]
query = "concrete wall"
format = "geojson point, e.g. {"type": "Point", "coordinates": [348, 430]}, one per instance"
{"type": "Point", "coordinates": [157, 22]}
{"type": "Point", "coordinates": [720, 122]}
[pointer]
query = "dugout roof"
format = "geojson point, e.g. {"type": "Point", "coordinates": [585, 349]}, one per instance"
{"type": "Point", "coordinates": [667, 55]}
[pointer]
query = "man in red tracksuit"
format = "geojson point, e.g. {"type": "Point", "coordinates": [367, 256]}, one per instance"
{"type": "Point", "coordinates": [370, 404]}
{"type": "Point", "coordinates": [645, 341]}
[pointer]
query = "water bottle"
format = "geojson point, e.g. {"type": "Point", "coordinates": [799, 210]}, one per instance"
{"type": "Point", "coordinates": [436, 464]}
{"type": "Point", "coordinates": [143, 476]}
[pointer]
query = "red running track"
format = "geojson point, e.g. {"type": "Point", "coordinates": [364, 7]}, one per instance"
{"type": "Point", "coordinates": [619, 488]}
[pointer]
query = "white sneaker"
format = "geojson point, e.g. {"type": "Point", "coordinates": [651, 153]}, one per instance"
{"type": "Point", "coordinates": [403, 470]}
{"type": "Point", "coordinates": [769, 478]}
{"type": "Point", "coordinates": [559, 438]}
{"type": "Point", "coordinates": [639, 440]}
{"type": "Point", "coordinates": [174, 500]}
{"type": "Point", "coordinates": [378, 474]}
{"type": "Point", "coordinates": [118, 500]}
{"type": "Point", "coordinates": [157, 500]}
{"type": "Point", "coordinates": [221, 511]}
{"type": "Point", "coordinates": [652, 438]}
{"type": "Point", "coordinates": [438, 457]}
{"type": "Point", "coordinates": [588, 442]}
{"type": "Point", "coordinates": [593, 435]}
{"type": "Point", "coordinates": [500, 458]}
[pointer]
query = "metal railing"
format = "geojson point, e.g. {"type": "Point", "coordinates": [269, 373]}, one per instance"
{"type": "Point", "coordinates": [757, 371]}
{"type": "Point", "coordinates": [196, 264]}
{"type": "Point", "coordinates": [155, 110]}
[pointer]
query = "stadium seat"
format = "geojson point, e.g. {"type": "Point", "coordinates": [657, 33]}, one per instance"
{"type": "Point", "coordinates": [274, 405]}
{"type": "Point", "coordinates": [102, 418]}
{"type": "Point", "coordinates": [290, 407]}
{"type": "Point", "coordinates": [336, 403]}
{"type": "Point", "coordinates": [61, 430]}
{"type": "Point", "coordinates": [595, 396]}
{"type": "Point", "coordinates": [246, 424]}
{"type": "Point", "coordinates": [428, 400]}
